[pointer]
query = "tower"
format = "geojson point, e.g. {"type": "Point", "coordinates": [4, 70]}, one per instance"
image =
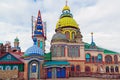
{"type": "Point", "coordinates": [38, 31]}
{"type": "Point", "coordinates": [16, 45]}
{"type": "Point", "coordinates": [16, 42]}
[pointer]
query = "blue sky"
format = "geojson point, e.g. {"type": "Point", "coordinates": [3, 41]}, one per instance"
{"type": "Point", "coordinates": [99, 16]}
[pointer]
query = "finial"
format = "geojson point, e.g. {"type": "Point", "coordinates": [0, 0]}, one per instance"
{"type": "Point", "coordinates": [92, 36]}
{"type": "Point", "coordinates": [66, 2]}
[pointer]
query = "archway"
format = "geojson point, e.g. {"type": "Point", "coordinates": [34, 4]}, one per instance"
{"type": "Point", "coordinates": [87, 69]}
{"type": "Point", "coordinates": [49, 72]}
{"type": "Point", "coordinates": [34, 69]}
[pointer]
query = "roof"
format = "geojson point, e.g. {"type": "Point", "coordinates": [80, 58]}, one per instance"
{"type": "Point", "coordinates": [56, 63]}
{"type": "Point", "coordinates": [66, 21]}
{"type": "Point", "coordinates": [9, 58]}
{"type": "Point", "coordinates": [34, 50]}
{"type": "Point", "coordinates": [106, 51]}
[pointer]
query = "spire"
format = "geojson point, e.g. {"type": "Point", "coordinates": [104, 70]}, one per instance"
{"type": "Point", "coordinates": [92, 37]}
{"type": "Point", "coordinates": [93, 45]}
{"type": "Point", "coordinates": [66, 7]}
{"type": "Point", "coordinates": [66, 2]}
{"type": "Point", "coordinates": [39, 15]}
{"type": "Point", "coordinates": [66, 11]}
{"type": "Point", "coordinates": [39, 25]}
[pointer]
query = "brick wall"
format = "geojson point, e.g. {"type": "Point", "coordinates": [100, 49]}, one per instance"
{"type": "Point", "coordinates": [8, 74]}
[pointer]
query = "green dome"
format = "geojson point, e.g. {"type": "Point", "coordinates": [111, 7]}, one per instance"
{"type": "Point", "coordinates": [16, 39]}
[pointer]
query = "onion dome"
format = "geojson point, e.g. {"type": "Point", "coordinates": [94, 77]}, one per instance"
{"type": "Point", "coordinates": [34, 50]}
{"type": "Point", "coordinates": [59, 37]}
{"type": "Point", "coordinates": [16, 39]}
{"type": "Point", "coordinates": [66, 8]}
{"type": "Point", "coordinates": [66, 19]}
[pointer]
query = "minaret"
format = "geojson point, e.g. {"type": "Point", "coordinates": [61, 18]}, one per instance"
{"type": "Point", "coordinates": [38, 32]}
{"type": "Point", "coordinates": [16, 42]}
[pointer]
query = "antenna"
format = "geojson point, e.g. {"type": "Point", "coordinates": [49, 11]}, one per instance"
{"type": "Point", "coordinates": [66, 2]}
{"type": "Point", "coordinates": [92, 36]}
{"type": "Point", "coordinates": [32, 24]}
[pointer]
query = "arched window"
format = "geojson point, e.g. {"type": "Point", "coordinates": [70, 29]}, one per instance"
{"type": "Point", "coordinates": [15, 67]}
{"type": "Point", "coordinates": [67, 33]}
{"type": "Point", "coordinates": [58, 51]}
{"type": "Point", "coordinates": [54, 49]}
{"type": "Point", "coordinates": [88, 57]}
{"type": "Point", "coordinates": [87, 69]}
{"type": "Point", "coordinates": [62, 51]}
{"type": "Point", "coordinates": [77, 68]}
{"type": "Point", "coordinates": [72, 68]}
{"type": "Point", "coordinates": [116, 69]}
{"type": "Point", "coordinates": [33, 68]}
{"type": "Point", "coordinates": [1, 67]}
{"type": "Point", "coordinates": [112, 69]}
{"type": "Point", "coordinates": [108, 59]}
{"type": "Point", "coordinates": [107, 69]}
{"type": "Point", "coordinates": [73, 35]}
{"type": "Point", "coordinates": [99, 58]}
{"type": "Point", "coordinates": [115, 59]}
{"type": "Point", "coordinates": [8, 68]}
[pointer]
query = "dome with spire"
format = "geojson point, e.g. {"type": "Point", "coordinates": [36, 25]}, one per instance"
{"type": "Point", "coordinates": [66, 19]}
{"type": "Point", "coordinates": [34, 50]}
{"type": "Point", "coordinates": [16, 39]}
{"type": "Point", "coordinates": [66, 8]}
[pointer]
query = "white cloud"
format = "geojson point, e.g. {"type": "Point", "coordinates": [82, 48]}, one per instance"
{"type": "Point", "coordinates": [98, 16]}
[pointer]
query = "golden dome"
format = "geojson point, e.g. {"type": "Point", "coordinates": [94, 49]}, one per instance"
{"type": "Point", "coordinates": [66, 8]}
{"type": "Point", "coordinates": [66, 21]}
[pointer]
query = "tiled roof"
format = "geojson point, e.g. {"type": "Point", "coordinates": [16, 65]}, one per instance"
{"type": "Point", "coordinates": [56, 63]}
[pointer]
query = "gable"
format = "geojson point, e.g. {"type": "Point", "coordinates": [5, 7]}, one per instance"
{"type": "Point", "coordinates": [8, 57]}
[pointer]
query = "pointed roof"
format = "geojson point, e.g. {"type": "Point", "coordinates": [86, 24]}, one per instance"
{"type": "Point", "coordinates": [92, 41]}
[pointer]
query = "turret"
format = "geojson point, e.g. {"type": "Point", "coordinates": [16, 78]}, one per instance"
{"type": "Point", "coordinates": [39, 32]}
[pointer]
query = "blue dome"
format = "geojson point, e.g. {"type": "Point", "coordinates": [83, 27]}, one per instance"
{"type": "Point", "coordinates": [34, 51]}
